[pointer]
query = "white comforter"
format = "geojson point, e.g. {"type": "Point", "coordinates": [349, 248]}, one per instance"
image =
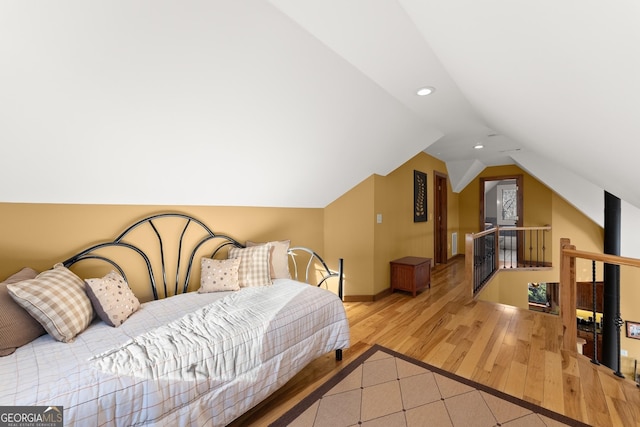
{"type": "Point", "coordinates": [162, 367]}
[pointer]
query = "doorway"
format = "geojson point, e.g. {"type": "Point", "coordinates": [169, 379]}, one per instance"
{"type": "Point", "coordinates": [501, 205]}
{"type": "Point", "coordinates": [440, 217]}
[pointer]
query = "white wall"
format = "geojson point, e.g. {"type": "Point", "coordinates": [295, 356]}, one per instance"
{"type": "Point", "coordinates": [630, 230]}
{"type": "Point", "coordinates": [165, 102]}
{"type": "Point", "coordinates": [586, 197]}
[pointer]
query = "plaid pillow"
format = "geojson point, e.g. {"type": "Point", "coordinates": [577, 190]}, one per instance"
{"type": "Point", "coordinates": [278, 259]}
{"type": "Point", "coordinates": [55, 298]}
{"type": "Point", "coordinates": [254, 265]}
{"type": "Point", "coordinates": [219, 275]}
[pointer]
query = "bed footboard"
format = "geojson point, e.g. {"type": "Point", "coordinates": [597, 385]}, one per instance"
{"type": "Point", "coordinates": [315, 260]}
{"type": "Point", "coordinates": [325, 272]}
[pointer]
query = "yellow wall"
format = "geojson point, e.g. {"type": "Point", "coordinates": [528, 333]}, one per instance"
{"type": "Point", "coordinates": [511, 287]}
{"type": "Point", "coordinates": [583, 233]}
{"type": "Point", "coordinates": [536, 205]}
{"type": "Point", "coordinates": [40, 235]}
{"type": "Point", "coordinates": [348, 232]}
{"type": "Point", "coordinates": [398, 235]}
{"type": "Point", "coordinates": [629, 310]}
{"type": "Point", "coordinates": [541, 207]}
{"type": "Point", "coordinates": [538, 208]}
{"type": "Point", "coordinates": [369, 246]}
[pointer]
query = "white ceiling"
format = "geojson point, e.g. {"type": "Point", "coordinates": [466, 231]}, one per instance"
{"type": "Point", "coordinates": [545, 79]}
{"type": "Point", "coordinates": [248, 103]}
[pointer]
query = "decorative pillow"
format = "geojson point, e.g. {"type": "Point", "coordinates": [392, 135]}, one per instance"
{"type": "Point", "coordinates": [112, 298]}
{"type": "Point", "coordinates": [56, 298]}
{"type": "Point", "coordinates": [278, 259]}
{"type": "Point", "coordinates": [17, 327]}
{"type": "Point", "coordinates": [254, 265]}
{"type": "Point", "coordinates": [219, 275]}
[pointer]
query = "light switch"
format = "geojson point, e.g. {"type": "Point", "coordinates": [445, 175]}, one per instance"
{"type": "Point", "coordinates": [379, 218]}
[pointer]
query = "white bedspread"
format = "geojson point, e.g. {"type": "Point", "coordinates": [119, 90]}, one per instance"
{"type": "Point", "coordinates": [162, 367]}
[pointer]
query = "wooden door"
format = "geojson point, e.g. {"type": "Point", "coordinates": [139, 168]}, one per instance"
{"type": "Point", "coordinates": [440, 218]}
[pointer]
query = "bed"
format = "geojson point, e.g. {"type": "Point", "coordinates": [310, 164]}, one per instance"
{"type": "Point", "coordinates": [185, 357]}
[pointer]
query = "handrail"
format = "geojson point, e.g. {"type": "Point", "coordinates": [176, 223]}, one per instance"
{"type": "Point", "coordinates": [568, 290]}
{"type": "Point", "coordinates": [483, 252]}
{"type": "Point", "coordinates": [540, 228]}
{"type": "Point", "coordinates": [606, 258]}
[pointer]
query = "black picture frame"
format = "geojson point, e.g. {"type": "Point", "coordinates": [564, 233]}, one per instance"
{"type": "Point", "coordinates": [419, 196]}
{"type": "Point", "coordinates": [633, 330]}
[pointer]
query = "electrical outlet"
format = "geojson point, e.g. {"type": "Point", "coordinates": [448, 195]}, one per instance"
{"type": "Point", "coordinates": [624, 353]}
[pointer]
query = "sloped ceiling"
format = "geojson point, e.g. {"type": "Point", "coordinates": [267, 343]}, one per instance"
{"type": "Point", "coordinates": [187, 102]}
{"type": "Point", "coordinates": [529, 80]}
{"type": "Point", "coordinates": [292, 103]}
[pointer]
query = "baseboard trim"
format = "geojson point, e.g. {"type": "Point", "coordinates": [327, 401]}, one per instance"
{"type": "Point", "coordinates": [367, 298]}
{"type": "Point", "coordinates": [384, 293]}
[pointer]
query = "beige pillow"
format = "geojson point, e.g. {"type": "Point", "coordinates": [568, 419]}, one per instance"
{"type": "Point", "coordinates": [17, 327]}
{"type": "Point", "coordinates": [219, 275]}
{"type": "Point", "coordinates": [112, 298]}
{"type": "Point", "coordinates": [279, 258]}
{"type": "Point", "coordinates": [56, 298]}
{"type": "Point", "coordinates": [254, 265]}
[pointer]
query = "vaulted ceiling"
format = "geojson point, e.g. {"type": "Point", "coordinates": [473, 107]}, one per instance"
{"type": "Point", "coordinates": [291, 103]}
{"type": "Point", "coordinates": [548, 85]}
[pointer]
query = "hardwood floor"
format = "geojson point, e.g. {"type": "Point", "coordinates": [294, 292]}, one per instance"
{"type": "Point", "coordinates": [513, 350]}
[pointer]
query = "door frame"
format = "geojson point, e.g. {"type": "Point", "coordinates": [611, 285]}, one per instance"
{"type": "Point", "coordinates": [440, 214]}
{"type": "Point", "coordinates": [520, 197]}
{"type": "Point", "coordinates": [519, 183]}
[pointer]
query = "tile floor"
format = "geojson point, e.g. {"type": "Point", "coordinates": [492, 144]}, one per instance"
{"type": "Point", "coordinates": [388, 391]}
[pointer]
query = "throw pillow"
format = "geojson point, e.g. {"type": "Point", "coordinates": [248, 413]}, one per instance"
{"type": "Point", "coordinates": [279, 258]}
{"type": "Point", "coordinates": [219, 275]}
{"type": "Point", "coordinates": [112, 298]}
{"type": "Point", "coordinates": [17, 327]}
{"type": "Point", "coordinates": [254, 265]}
{"type": "Point", "coordinates": [56, 298]}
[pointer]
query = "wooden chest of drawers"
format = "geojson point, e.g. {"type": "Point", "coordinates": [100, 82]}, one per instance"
{"type": "Point", "coordinates": [411, 274]}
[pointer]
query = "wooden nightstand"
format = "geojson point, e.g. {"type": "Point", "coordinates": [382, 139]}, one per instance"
{"type": "Point", "coordinates": [411, 274]}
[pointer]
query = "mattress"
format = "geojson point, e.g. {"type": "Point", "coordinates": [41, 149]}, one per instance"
{"type": "Point", "coordinates": [192, 359]}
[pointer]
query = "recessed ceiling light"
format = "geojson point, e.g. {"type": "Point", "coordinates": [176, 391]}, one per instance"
{"type": "Point", "coordinates": [478, 146]}
{"type": "Point", "coordinates": [424, 91]}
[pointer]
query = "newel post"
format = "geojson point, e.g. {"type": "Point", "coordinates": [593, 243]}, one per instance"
{"type": "Point", "coordinates": [468, 262]}
{"type": "Point", "coordinates": [568, 296]}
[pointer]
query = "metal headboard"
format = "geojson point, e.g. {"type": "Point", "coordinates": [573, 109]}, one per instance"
{"type": "Point", "coordinates": [189, 221]}
{"type": "Point", "coordinates": [204, 235]}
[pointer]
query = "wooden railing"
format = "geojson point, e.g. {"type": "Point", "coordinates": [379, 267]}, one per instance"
{"type": "Point", "coordinates": [504, 247]}
{"type": "Point", "coordinates": [568, 296]}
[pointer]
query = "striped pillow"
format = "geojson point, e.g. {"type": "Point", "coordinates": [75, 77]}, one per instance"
{"type": "Point", "coordinates": [254, 265]}
{"type": "Point", "coordinates": [56, 298]}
